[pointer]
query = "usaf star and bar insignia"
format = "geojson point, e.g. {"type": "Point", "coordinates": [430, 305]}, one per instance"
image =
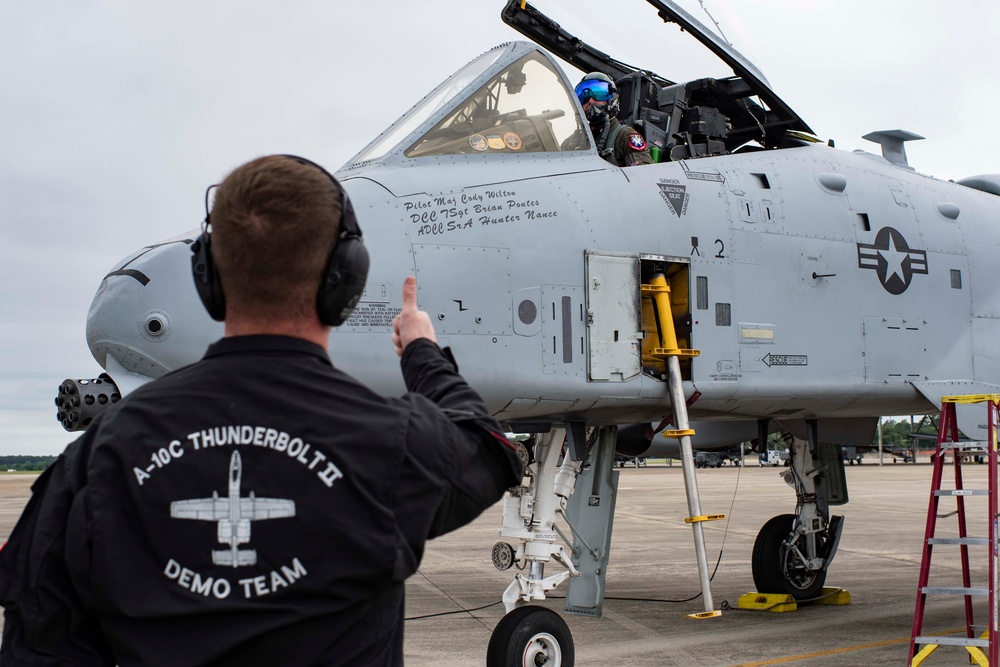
{"type": "Point", "coordinates": [893, 260]}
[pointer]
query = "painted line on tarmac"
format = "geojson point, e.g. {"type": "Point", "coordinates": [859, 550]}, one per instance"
{"type": "Point", "coordinates": [835, 651]}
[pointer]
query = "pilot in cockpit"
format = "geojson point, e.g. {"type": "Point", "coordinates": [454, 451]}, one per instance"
{"type": "Point", "coordinates": [617, 143]}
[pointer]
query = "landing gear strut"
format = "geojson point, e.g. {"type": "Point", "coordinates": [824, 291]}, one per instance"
{"type": "Point", "coordinates": [793, 552]}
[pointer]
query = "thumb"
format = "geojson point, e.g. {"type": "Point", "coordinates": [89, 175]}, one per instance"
{"type": "Point", "coordinates": [410, 294]}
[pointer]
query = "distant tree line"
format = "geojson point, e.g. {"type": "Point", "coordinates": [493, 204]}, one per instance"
{"type": "Point", "coordinates": [25, 463]}
{"type": "Point", "coordinates": [897, 433]}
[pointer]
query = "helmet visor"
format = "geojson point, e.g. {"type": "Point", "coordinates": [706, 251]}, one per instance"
{"type": "Point", "coordinates": [593, 89]}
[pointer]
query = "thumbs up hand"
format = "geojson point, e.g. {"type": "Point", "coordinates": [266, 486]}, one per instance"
{"type": "Point", "coordinates": [411, 323]}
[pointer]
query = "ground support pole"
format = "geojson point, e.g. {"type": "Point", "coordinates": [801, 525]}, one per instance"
{"type": "Point", "coordinates": [690, 480]}
{"type": "Point", "coordinates": [669, 352]}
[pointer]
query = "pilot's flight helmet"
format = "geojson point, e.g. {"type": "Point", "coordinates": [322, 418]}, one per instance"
{"type": "Point", "coordinates": [599, 87]}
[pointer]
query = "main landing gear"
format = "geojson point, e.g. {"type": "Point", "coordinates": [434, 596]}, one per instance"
{"type": "Point", "coordinates": [793, 551]}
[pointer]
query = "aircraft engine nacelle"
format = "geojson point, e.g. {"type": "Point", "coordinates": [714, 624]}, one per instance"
{"type": "Point", "coordinates": [80, 401]}
{"type": "Point", "coordinates": [225, 531]}
{"type": "Point", "coordinates": [243, 531]}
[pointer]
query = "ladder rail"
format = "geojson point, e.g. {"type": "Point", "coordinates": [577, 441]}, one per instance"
{"type": "Point", "coordinates": [991, 459]}
{"type": "Point", "coordinates": [944, 426]}
{"type": "Point", "coordinates": [963, 532]}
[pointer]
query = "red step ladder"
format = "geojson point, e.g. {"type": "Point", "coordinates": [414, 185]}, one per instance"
{"type": "Point", "coordinates": [982, 648]}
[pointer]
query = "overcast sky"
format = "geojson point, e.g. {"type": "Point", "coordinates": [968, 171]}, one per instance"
{"type": "Point", "coordinates": [115, 115]}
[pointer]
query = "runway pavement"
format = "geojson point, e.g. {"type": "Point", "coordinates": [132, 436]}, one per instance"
{"type": "Point", "coordinates": [653, 558]}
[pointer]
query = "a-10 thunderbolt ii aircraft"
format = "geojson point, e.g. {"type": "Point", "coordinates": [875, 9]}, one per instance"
{"type": "Point", "coordinates": [822, 288]}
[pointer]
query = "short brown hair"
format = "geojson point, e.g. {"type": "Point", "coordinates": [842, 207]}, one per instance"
{"type": "Point", "coordinates": [274, 223]}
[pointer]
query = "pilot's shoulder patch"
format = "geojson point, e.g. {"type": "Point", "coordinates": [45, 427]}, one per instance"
{"type": "Point", "coordinates": [636, 142]}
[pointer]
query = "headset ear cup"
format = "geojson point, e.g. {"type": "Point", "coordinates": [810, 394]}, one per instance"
{"type": "Point", "coordinates": [206, 278]}
{"type": "Point", "coordinates": [346, 269]}
{"type": "Point", "coordinates": [343, 282]}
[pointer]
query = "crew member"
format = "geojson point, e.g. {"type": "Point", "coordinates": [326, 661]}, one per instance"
{"type": "Point", "coordinates": [259, 507]}
{"type": "Point", "coordinates": [617, 143]}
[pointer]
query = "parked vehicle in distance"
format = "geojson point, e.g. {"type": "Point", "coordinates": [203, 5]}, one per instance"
{"type": "Point", "coordinates": [707, 460]}
{"type": "Point", "coordinates": [853, 455]}
{"type": "Point", "coordinates": [773, 457]}
{"type": "Point", "coordinates": [637, 461]}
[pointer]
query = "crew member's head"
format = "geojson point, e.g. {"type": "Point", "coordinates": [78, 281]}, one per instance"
{"type": "Point", "coordinates": [274, 222]}
{"type": "Point", "coordinates": [599, 96]}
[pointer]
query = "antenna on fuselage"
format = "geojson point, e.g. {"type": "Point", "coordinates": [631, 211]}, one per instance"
{"type": "Point", "coordinates": [892, 142]}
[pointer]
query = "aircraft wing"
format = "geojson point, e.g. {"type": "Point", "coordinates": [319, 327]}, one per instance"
{"type": "Point", "coordinates": [205, 509]}
{"type": "Point", "coordinates": [256, 509]}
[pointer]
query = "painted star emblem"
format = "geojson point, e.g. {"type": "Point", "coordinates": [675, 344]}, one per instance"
{"type": "Point", "coordinates": [892, 259]}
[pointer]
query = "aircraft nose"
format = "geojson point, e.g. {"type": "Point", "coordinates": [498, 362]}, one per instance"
{"type": "Point", "coordinates": [146, 318]}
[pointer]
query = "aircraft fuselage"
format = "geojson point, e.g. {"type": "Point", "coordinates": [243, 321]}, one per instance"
{"type": "Point", "coordinates": [822, 283]}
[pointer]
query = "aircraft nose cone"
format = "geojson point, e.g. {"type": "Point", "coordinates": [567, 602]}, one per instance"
{"type": "Point", "coordinates": [146, 317]}
{"type": "Point", "coordinates": [111, 315]}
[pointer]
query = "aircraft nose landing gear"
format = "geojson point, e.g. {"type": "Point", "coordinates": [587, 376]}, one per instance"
{"type": "Point", "coordinates": [531, 636]}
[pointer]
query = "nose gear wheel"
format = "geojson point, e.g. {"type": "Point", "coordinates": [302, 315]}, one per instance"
{"type": "Point", "coordinates": [531, 636]}
{"type": "Point", "coordinates": [776, 566]}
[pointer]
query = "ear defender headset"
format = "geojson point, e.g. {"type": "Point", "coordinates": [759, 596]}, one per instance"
{"type": "Point", "coordinates": [343, 278]}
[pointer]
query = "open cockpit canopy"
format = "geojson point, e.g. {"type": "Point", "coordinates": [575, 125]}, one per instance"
{"type": "Point", "coordinates": [708, 116]}
{"type": "Point", "coordinates": [515, 99]}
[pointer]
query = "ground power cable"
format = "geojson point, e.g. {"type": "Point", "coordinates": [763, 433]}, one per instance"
{"type": "Point", "coordinates": [725, 604]}
{"type": "Point", "coordinates": [718, 561]}
{"type": "Point", "coordinates": [460, 610]}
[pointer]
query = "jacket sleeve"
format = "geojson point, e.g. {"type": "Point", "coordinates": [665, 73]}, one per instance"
{"type": "Point", "coordinates": [45, 620]}
{"type": "Point", "coordinates": [456, 437]}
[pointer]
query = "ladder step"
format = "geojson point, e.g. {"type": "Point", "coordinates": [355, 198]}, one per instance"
{"type": "Point", "coordinates": [959, 540]}
{"type": "Point", "coordinates": [965, 444]}
{"type": "Point", "coordinates": [936, 590]}
{"type": "Point", "coordinates": [961, 492]}
{"type": "Point", "coordinates": [952, 641]}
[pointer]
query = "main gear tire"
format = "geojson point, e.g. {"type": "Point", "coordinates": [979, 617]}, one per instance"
{"type": "Point", "coordinates": [775, 570]}
{"type": "Point", "coordinates": [531, 636]}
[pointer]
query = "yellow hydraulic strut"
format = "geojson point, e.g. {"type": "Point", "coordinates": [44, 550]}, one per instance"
{"type": "Point", "coordinates": [659, 291]}
{"type": "Point", "coordinates": [670, 354]}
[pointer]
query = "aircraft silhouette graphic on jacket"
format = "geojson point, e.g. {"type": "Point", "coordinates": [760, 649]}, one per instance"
{"type": "Point", "coordinates": [234, 515]}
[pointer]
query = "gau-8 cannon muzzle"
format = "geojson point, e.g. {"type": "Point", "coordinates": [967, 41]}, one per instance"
{"type": "Point", "coordinates": [79, 401]}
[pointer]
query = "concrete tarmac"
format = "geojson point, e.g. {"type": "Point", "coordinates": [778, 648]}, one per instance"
{"type": "Point", "coordinates": [653, 558]}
